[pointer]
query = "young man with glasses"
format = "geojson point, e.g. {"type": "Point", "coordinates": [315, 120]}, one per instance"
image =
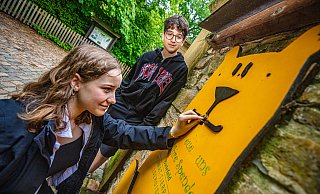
{"type": "Point", "coordinates": [154, 82]}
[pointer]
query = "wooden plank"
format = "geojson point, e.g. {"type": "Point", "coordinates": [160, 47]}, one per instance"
{"type": "Point", "coordinates": [27, 17]}
{"type": "Point", "coordinates": [20, 9]}
{"type": "Point", "coordinates": [53, 27]}
{"type": "Point", "coordinates": [51, 22]}
{"type": "Point", "coordinates": [80, 41]}
{"type": "Point", "coordinates": [44, 19]}
{"type": "Point", "coordinates": [85, 41]}
{"type": "Point", "coordinates": [70, 36]}
{"type": "Point", "coordinates": [11, 7]}
{"type": "Point", "coordinates": [64, 34]}
{"type": "Point", "coordinates": [78, 37]}
{"type": "Point", "coordinates": [7, 6]}
{"type": "Point", "coordinates": [16, 8]}
{"type": "Point", "coordinates": [59, 30]}
{"type": "Point", "coordinates": [265, 15]}
{"type": "Point", "coordinates": [47, 23]}
{"type": "Point", "coordinates": [234, 11]}
{"type": "Point", "coordinates": [39, 17]}
{"type": "Point", "coordinates": [126, 69]}
{"type": "Point", "coordinates": [3, 4]}
{"type": "Point", "coordinates": [197, 49]}
{"type": "Point", "coordinates": [25, 8]}
{"type": "Point", "coordinates": [67, 36]}
{"type": "Point", "coordinates": [89, 42]}
{"type": "Point", "coordinates": [34, 15]}
{"type": "Point", "coordinates": [74, 38]}
{"type": "Point", "coordinates": [282, 17]}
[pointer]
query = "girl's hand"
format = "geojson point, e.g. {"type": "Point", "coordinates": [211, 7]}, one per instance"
{"type": "Point", "coordinates": [186, 121]}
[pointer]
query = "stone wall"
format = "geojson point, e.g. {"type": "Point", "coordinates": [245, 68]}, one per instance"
{"type": "Point", "coordinates": [288, 158]}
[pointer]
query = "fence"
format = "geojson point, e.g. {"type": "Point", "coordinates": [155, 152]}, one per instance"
{"type": "Point", "coordinates": [31, 15]}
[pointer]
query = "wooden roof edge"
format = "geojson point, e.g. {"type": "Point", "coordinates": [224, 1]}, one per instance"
{"type": "Point", "coordinates": [276, 18]}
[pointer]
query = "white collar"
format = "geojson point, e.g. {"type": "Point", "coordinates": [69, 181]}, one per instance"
{"type": "Point", "coordinates": [66, 132]}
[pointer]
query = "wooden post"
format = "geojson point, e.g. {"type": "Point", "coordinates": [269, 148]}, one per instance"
{"type": "Point", "coordinates": [196, 49]}
{"type": "Point", "coordinates": [200, 45]}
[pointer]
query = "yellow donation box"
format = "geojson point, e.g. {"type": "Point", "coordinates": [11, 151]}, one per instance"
{"type": "Point", "coordinates": [242, 100]}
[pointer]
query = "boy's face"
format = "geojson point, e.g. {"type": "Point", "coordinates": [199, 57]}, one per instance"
{"type": "Point", "coordinates": [172, 39]}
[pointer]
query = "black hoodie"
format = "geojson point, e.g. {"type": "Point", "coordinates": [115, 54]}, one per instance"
{"type": "Point", "coordinates": [148, 91]}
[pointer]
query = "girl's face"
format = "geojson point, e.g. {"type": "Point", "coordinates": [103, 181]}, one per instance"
{"type": "Point", "coordinates": [97, 95]}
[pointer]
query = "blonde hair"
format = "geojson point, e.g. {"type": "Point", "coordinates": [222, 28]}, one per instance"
{"type": "Point", "coordinates": [46, 98]}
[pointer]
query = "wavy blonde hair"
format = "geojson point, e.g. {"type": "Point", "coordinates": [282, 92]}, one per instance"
{"type": "Point", "coordinates": [46, 98]}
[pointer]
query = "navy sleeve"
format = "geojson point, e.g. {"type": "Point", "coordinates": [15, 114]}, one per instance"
{"type": "Point", "coordinates": [12, 128]}
{"type": "Point", "coordinates": [122, 135]}
{"type": "Point", "coordinates": [14, 138]}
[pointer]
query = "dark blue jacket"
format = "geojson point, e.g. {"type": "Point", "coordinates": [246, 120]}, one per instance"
{"type": "Point", "coordinates": [25, 156]}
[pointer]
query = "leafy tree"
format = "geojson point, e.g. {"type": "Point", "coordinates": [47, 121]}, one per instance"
{"type": "Point", "coordinates": [138, 22]}
{"type": "Point", "coordinates": [195, 12]}
{"type": "Point", "coordinates": [69, 12]}
{"type": "Point", "coordinates": [139, 25]}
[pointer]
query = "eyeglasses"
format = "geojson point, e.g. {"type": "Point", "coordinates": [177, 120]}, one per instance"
{"type": "Point", "coordinates": [178, 38]}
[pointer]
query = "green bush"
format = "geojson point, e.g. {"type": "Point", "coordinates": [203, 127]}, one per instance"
{"type": "Point", "coordinates": [68, 12]}
{"type": "Point", "coordinates": [139, 23]}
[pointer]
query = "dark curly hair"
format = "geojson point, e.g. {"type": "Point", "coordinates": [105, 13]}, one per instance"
{"type": "Point", "coordinates": [179, 22]}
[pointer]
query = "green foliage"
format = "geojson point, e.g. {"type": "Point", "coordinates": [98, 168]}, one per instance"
{"type": "Point", "coordinates": [138, 22]}
{"type": "Point", "coordinates": [139, 25]}
{"type": "Point", "coordinates": [195, 11]}
{"type": "Point", "coordinates": [69, 12]}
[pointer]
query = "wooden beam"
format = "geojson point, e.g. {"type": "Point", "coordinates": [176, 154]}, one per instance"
{"type": "Point", "coordinates": [234, 11]}
{"type": "Point", "coordinates": [274, 12]}
{"type": "Point", "coordinates": [196, 49]}
{"type": "Point", "coordinates": [278, 17]}
{"type": "Point", "coordinates": [291, 22]}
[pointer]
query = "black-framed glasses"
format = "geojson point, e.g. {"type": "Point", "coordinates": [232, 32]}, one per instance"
{"type": "Point", "coordinates": [169, 35]}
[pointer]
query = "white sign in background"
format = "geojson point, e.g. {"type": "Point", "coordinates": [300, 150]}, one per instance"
{"type": "Point", "coordinates": [100, 37]}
